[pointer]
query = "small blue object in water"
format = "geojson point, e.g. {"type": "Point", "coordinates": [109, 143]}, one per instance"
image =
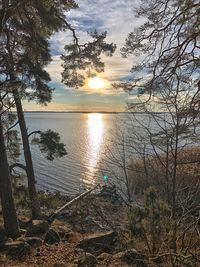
{"type": "Point", "coordinates": [105, 178]}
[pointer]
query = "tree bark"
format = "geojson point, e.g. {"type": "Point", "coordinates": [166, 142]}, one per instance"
{"type": "Point", "coordinates": [7, 202]}
{"type": "Point", "coordinates": [35, 205]}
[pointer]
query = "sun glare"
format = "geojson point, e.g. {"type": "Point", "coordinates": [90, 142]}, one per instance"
{"type": "Point", "coordinates": [95, 133]}
{"type": "Point", "coordinates": [96, 83]}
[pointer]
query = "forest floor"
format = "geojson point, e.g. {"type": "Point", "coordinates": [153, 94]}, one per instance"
{"type": "Point", "coordinates": [92, 232]}
{"type": "Point", "coordinates": [92, 216]}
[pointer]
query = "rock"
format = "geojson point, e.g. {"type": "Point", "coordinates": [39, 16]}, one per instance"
{"type": "Point", "coordinates": [63, 231]}
{"type": "Point", "coordinates": [34, 241]}
{"type": "Point", "coordinates": [18, 250]}
{"type": "Point", "coordinates": [10, 244]}
{"type": "Point", "coordinates": [86, 260]}
{"type": "Point", "coordinates": [23, 232]}
{"type": "Point", "coordinates": [110, 193]}
{"type": "Point", "coordinates": [130, 256]}
{"type": "Point", "coordinates": [62, 228]}
{"type": "Point", "coordinates": [104, 256]}
{"type": "Point", "coordinates": [39, 227]}
{"type": "Point", "coordinates": [98, 243]}
{"type": "Point", "coordinates": [52, 237]}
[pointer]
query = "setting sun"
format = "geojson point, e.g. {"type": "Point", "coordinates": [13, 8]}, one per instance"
{"type": "Point", "coordinates": [96, 83]}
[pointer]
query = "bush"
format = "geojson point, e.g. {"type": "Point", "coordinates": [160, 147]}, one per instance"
{"type": "Point", "coordinates": [151, 223]}
{"type": "Point", "coordinates": [153, 172]}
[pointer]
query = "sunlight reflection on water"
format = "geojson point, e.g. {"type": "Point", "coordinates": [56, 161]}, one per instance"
{"type": "Point", "coordinates": [95, 127]}
{"type": "Point", "coordinates": [86, 137]}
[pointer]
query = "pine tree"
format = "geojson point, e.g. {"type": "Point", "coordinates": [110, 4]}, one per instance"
{"type": "Point", "coordinates": [7, 202]}
{"type": "Point", "coordinates": [25, 31]}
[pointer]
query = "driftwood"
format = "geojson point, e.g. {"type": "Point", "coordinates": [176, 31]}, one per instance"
{"type": "Point", "coordinates": [52, 217]}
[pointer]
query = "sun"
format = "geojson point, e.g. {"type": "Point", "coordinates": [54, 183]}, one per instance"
{"type": "Point", "coordinates": [96, 83]}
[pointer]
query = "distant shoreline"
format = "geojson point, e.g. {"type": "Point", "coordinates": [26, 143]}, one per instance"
{"type": "Point", "coordinates": [78, 112]}
{"type": "Point", "coordinates": [89, 112]}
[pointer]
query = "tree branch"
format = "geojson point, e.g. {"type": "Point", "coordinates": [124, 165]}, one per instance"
{"type": "Point", "coordinates": [18, 165]}
{"type": "Point", "coordinates": [34, 132]}
{"type": "Point", "coordinates": [11, 127]}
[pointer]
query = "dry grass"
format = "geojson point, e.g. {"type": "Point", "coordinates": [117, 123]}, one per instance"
{"type": "Point", "coordinates": [153, 171]}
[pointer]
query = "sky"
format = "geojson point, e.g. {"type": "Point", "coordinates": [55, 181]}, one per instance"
{"type": "Point", "coordinates": [117, 18]}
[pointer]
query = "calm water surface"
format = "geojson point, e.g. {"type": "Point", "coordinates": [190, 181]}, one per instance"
{"type": "Point", "coordinates": [85, 136]}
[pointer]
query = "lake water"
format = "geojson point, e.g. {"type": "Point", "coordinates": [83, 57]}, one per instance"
{"type": "Point", "coordinates": [85, 136]}
{"type": "Point", "coordinates": [91, 154]}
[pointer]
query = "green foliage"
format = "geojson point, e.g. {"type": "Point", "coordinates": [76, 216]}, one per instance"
{"type": "Point", "coordinates": [25, 30]}
{"type": "Point", "coordinates": [52, 200]}
{"type": "Point", "coordinates": [84, 60]}
{"type": "Point", "coordinates": [151, 222]}
{"type": "Point", "coordinates": [109, 192]}
{"type": "Point", "coordinates": [11, 137]}
{"type": "Point", "coordinates": [13, 144]}
{"type": "Point", "coordinates": [49, 143]}
{"type": "Point", "coordinates": [21, 195]}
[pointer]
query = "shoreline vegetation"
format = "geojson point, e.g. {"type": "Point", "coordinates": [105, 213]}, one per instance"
{"type": "Point", "coordinates": [71, 238]}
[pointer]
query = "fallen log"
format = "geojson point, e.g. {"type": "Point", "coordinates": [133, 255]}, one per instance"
{"type": "Point", "coordinates": [52, 217]}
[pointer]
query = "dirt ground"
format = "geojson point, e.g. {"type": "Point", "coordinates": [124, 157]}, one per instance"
{"type": "Point", "coordinates": [91, 215]}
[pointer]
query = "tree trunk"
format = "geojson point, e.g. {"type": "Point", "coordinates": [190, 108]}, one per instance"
{"type": "Point", "coordinates": [7, 201]}
{"type": "Point", "coordinates": [35, 205]}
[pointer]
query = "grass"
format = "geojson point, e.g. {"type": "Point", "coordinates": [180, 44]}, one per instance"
{"type": "Point", "coordinates": [158, 171]}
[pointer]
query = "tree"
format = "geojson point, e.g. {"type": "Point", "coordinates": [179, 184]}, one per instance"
{"type": "Point", "coordinates": [165, 79]}
{"type": "Point", "coordinates": [169, 39]}
{"type": "Point", "coordinates": [7, 201]}
{"type": "Point", "coordinates": [167, 43]}
{"type": "Point", "coordinates": [24, 54]}
{"type": "Point", "coordinates": [150, 221]}
{"type": "Point", "coordinates": [83, 60]}
{"type": "Point", "coordinates": [26, 29]}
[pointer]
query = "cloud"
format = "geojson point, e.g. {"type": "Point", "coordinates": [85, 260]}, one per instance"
{"type": "Point", "coordinates": [115, 17]}
{"type": "Point", "coordinates": [55, 69]}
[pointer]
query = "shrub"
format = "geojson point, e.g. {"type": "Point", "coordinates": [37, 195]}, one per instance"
{"type": "Point", "coordinates": [153, 172]}
{"type": "Point", "coordinates": [150, 223]}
